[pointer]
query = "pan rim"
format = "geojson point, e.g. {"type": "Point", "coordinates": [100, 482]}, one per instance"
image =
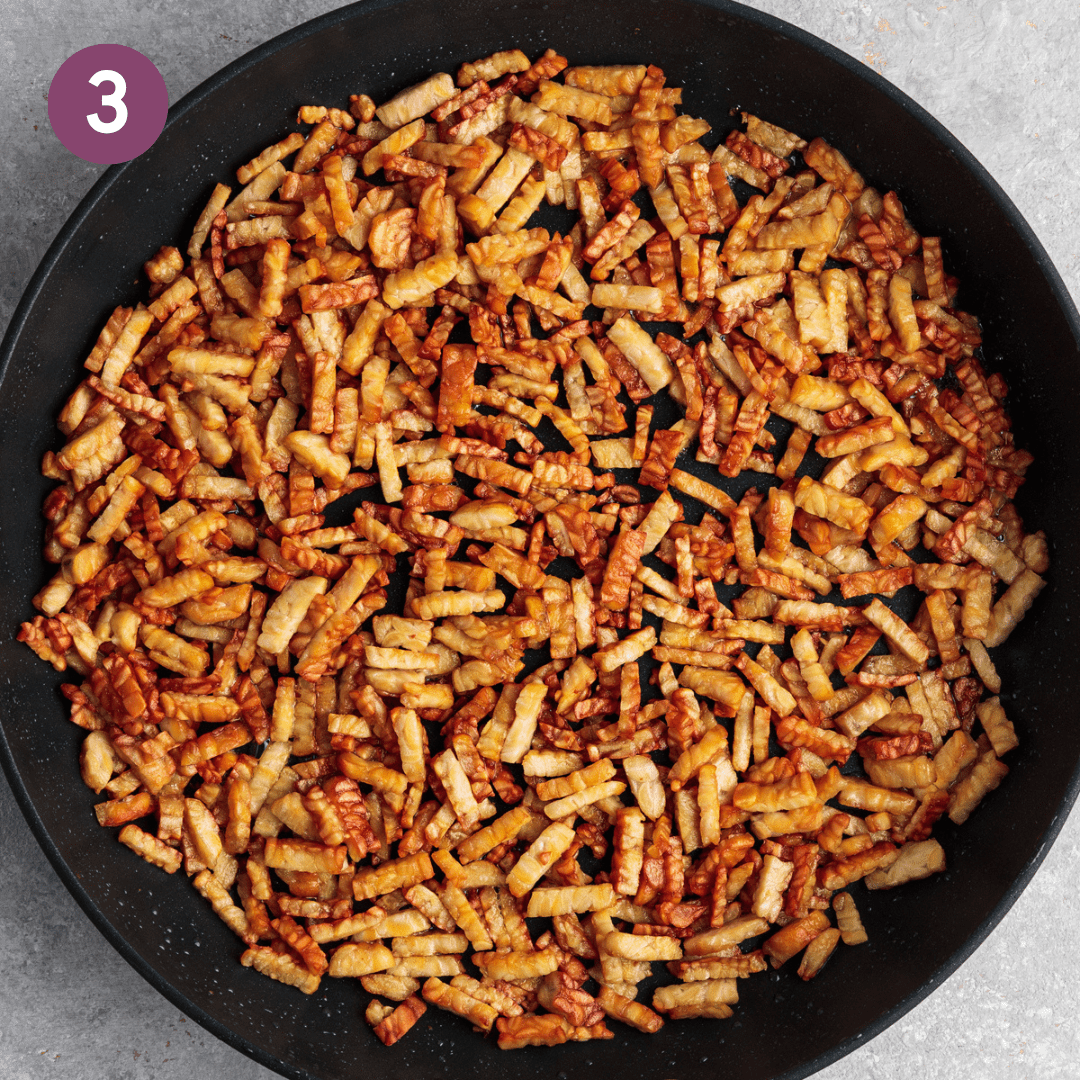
{"type": "Point", "coordinates": [18, 326]}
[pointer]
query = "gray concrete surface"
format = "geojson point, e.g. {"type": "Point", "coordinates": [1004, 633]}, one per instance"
{"type": "Point", "coordinates": [1002, 75]}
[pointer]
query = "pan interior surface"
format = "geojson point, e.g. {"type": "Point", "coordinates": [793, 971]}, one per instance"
{"type": "Point", "coordinates": [725, 57]}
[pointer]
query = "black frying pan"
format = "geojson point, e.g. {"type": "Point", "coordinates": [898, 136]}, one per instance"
{"type": "Point", "coordinates": [726, 57]}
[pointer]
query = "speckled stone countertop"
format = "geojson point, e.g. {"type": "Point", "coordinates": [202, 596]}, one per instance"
{"type": "Point", "coordinates": [1002, 75]}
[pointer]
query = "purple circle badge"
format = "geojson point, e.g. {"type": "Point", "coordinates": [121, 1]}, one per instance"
{"type": "Point", "coordinates": [108, 103]}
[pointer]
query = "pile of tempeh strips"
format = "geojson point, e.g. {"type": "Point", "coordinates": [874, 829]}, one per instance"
{"type": "Point", "coordinates": [390, 796]}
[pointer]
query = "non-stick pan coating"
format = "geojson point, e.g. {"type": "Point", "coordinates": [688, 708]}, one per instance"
{"type": "Point", "coordinates": [725, 57]}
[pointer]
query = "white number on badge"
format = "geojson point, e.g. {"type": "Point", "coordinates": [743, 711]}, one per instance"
{"type": "Point", "coordinates": [114, 101]}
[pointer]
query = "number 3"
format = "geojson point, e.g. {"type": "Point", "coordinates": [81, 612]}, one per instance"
{"type": "Point", "coordinates": [115, 101]}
